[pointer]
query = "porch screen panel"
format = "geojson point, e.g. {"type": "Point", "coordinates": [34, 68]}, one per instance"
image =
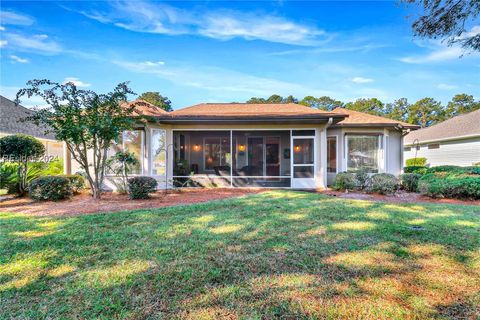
{"type": "Point", "coordinates": [158, 142]}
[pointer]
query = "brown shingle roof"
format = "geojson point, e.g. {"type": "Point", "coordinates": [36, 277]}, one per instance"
{"type": "Point", "coordinates": [145, 108]}
{"type": "Point", "coordinates": [460, 126]}
{"type": "Point", "coordinates": [242, 110]}
{"type": "Point", "coordinates": [11, 116]}
{"type": "Point", "coordinates": [357, 118]}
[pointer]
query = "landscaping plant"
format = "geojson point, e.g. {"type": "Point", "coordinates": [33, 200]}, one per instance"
{"type": "Point", "coordinates": [362, 178]}
{"type": "Point", "coordinates": [141, 187]}
{"type": "Point", "coordinates": [344, 181]}
{"type": "Point", "coordinates": [50, 188]}
{"type": "Point", "coordinates": [409, 181]}
{"type": "Point", "coordinates": [87, 122]}
{"type": "Point", "coordinates": [21, 149]}
{"type": "Point", "coordinates": [384, 183]}
{"type": "Point", "coordinates": [121, 164]}
{"type": "Point", "coordinates": [416, 162]}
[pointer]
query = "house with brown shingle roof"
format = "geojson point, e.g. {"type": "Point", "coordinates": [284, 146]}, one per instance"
{"type": "Point", "coordinates": [453, 142]}
{"type": "Point", "coordinates": [261, 145]}
{"type": "Point", "coordinates": [12, 118]}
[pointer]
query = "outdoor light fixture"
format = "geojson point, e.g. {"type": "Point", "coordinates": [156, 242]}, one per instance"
{"type": "Point", "coordinates": [297, 148]}
{"type": "Point", "coordinates": [241, 147]}
{"type": "Point", "coordinates": [196, 147]}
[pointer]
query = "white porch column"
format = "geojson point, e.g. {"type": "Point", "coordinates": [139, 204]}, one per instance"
{"type": "Point", "coordinates": [321, 158]}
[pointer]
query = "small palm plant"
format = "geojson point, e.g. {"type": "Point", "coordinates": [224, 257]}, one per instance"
{"type": "Point", "coordinates": [122, 164]}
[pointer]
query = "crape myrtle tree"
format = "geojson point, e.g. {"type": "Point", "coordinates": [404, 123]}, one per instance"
{"type": "Point", "coordinates": [87, 122]}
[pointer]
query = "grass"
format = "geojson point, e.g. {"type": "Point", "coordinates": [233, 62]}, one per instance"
{"type": "Point", "coordinates": [278, 254]}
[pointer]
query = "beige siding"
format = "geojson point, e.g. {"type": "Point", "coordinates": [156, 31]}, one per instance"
{"type": "Point", "coordinates": [456, 152]}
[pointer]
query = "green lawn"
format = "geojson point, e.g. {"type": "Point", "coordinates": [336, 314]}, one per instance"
{"type": "Point", "coordinates": [278, 254]}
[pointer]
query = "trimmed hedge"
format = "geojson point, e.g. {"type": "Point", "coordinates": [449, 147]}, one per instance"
{"type": "Point", "coordinates": [444, 185]}
{"type": "Point", "coordinates": [140, 187]}
{"type": "Point", "coordinates": [416, 162]}
{"type": "Point", "coordinates": [409, 181]}
{"type": "Point", "coordinates": [416, 169]}
{"type": "Point", "coordinates": [384, 183]}
{"type": "Point", "coordinates": [455, 170]}
{"type": "Point", "coordinates": [50, 188]}
{"type": "Point", "coordinates": [344, 181]}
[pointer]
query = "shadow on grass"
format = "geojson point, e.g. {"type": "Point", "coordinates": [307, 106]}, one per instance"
{"type": "Point", "coordinates": [274, 254]}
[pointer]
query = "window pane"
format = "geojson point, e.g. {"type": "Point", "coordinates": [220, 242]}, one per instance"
{"type": "Point", "coordinates": [158, 152]}
{"type": "Point", "coordinates": [132, 142]}
{"type": "Point", "coordinates": [332, 154]}
{"type": "Point", "coordinates": [303, 151]}
{"type": "Point", "coordinates": [303, 172]}
{"type": "Point", "coordinates": [363, 152]}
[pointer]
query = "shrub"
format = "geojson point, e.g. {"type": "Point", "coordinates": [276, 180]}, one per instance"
{"type": "Point", "coordinates": [50, 188]}
{"type": "Point", "coordinates": [362, 178]}
{"type": "Point", "coordinates": [454, 170]}
{"type": "Point", "coordinates": [444, 185]}
{"type": "Point", "coordinates": [344, 181]}
{"type": "Point", "coordinates": [415, 169]}
{"type": "Point", "coordinates": [140, 187]}
{"type": "Point", "coordinates": [409, 181]}
{"type": "Point", "coordinates": [384, 183]}
{"type": "Point", "coordinates": [416, 162]}
{"type": "Point", "coordinates": [77, 182]}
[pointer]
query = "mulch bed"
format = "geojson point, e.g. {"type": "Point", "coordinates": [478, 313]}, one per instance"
{"type": "Point", "coordinates": [111, 202]}
{"type": "Point", "coordinates": [399, 197]}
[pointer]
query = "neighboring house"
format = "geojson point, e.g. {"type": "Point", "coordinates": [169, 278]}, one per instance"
{"type": "Point", "coordinates": [260, 145]}
{"type": "Point", "coordinates": [11, 116]}
{"type": "Point", "coordinates": [453, 142]}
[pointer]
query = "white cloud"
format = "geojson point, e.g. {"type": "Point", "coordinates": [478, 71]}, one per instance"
{"type": "Point", "coordinates": [9, 17]}
{"type": "Point", "coordinates": [444, 86]}
{"type": "Point", "coordinates": [222, 83]}
{"type": "Point", "coordinates": [439, 52]}
{"type": "Point", "coordinates": [18, 59]}
{"type": "Point", "coordinates": [141, 16]}
{"type": "Point", "coordinates": [2, 28]}
{"type": "Point", "coordinates": [3, 43]}
{"type": "Point", "coordinates": [77, 82]}
{"type": "Point", "coordinates": [37, 43]}
{"type": "Point", "coordinates": [361, 80]}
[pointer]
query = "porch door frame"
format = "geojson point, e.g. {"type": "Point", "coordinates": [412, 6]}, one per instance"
{"type": "Point", "coordinates": [303, 183]}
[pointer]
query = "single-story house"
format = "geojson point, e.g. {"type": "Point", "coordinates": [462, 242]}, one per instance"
{"type": "Point", "coordinates": [260, 145]}
{"type": "Point", "coordinates": [453, 142]}
{"type": "Point", "coordinates": [11, 116]}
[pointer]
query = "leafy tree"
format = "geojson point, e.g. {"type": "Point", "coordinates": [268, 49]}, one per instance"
{"type": "Point", "coordinates": [290, 99]}
{"type": "Point", "coordinates": [322, 103]}
{"type": "Point", "coordinates": [157, 99]}
{"type": "Point", "coordinates": [256, 100]}
{"type": "Point", "coordinates": [425, 112]}
{"type": "Point", "coordinates": [122, 164]}
{"type": "Point", "coordinates": [86, 121]}
{"type": "Point", "coordinates": [398, 110]}
{"type": "Point", "coordinates": [461, 103]}
{"type": "Point", "coordinates": [21, 149]}
{"type": "Point", "coordinates": [371, 106]}
{"type": "Point", "coordinates": [447, 19]}
{"type": "Point", "coordinates": [275, 98]}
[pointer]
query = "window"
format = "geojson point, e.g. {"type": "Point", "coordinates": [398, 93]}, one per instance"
{"type": "Point", "coordinates": [363, 152]}
{"type": "Point", "coordinates": [216, 152]}
{"type": "Point", "coordinates": [158, 152]}
{"type": "Point", "coordinates": [130, 141]}
{"type": "Point", "coordinates": [332, 154]}
{"type": "Point", "coordinates": [434, 146]}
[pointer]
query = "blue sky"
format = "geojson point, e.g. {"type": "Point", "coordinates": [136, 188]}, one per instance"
{"type": "Point", "coordinates": [216, 51]}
